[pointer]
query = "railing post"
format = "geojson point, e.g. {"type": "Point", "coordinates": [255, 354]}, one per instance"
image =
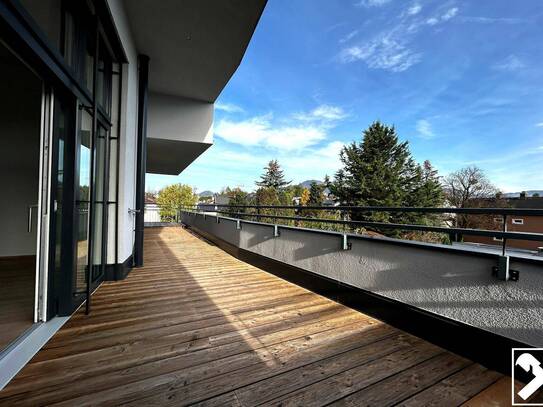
{"type": "Point", "coordinates": [504, 240]}
{"type": "Point", "coordinates": [345, 243]}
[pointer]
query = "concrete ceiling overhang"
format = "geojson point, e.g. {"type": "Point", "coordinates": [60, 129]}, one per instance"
{"type": "Point", "coordinates": [194, 46]}
{"type": "Point", "coordinates": [172, 156]}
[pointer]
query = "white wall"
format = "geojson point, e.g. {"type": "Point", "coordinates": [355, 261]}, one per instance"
{"type": "Point", "coordinates": [178, 118]}
{"type": "Point", "coordinates": [19, 156]}
{"type": "Point", "coordinates": [128, 137]}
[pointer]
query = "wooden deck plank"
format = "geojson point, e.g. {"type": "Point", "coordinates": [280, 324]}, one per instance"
{"type": "Point", "coordinates": [211, 330]}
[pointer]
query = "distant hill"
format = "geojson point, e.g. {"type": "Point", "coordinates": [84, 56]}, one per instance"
{"type": "Point", "coordinates": [307, 184]}
{"type": "Point", "coordinates": [528, 193]}
{"type": "Point", "coordinates": [206, 193]}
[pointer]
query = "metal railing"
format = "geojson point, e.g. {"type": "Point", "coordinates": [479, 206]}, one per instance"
{"type": "Point", "coordinates": [156, 214]}
{"type": "Point", "coordinates": [351, 219]}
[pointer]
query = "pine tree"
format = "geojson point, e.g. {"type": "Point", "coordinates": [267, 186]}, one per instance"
{"type": "Point", "coordinates": [375, 171]}
{"type": "Point", "coordinates": [273, 177]}
{"type": "Point", "coordinates": [379, 171]}
{"type": "Point", "coordinates": [316, 194]}
{"type": "Point", "coordinates": [430, 191]}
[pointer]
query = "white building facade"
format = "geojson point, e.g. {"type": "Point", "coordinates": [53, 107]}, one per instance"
{"type": "Point", "coordinates": [97, 93]}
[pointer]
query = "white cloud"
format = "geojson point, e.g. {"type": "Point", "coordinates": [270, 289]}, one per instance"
{"type": "Point", "coordinates": [221, 166]}
{"type": "Point", "coordinates": [540, 124]}
{"type": "Point", "coordinates": [392, 49]}
{"type": "Point", "coordinates": [372, 3]}
{"type": "Point", "coordinates": [386, 52]}
{"type": "Point", "coordinates": [348, 37]}
{"type": "Point", "coordinates": [228, 107]}
{"type": "Point", "coordinates": [449, 14]}
{"type": "Point", "coordinates": [511, 63]}
{"type": "Point", "coordinates": [250, 132]}
{"type": "Point", "coordinates": [414, 9]}
{"type": "Point", "coordinates": [323, 113]}
{"type": "Point", "coordinates": [491, 20]}
{"type": "Point", "coordinates": [313, 163]}
{"type": "Point", "coordinates": [424, 128]}
{"type": "Point", "coordinates": [296, 133]}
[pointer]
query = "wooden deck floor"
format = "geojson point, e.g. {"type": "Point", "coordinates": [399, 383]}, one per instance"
{"type": "Point", "coordinates": [197, 326]}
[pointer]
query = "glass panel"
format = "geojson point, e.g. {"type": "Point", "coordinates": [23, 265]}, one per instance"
{"type": "Point", "coordinates": [83, 201]}
{"type": "Point", "coordinates": [97, 240]}
{"type": "Point", "coordinates": [19, 168]}
{"type": "Point", "coordinates": [100, 79]}
{"type": "Point", "coordinates": [112, 196]}
{"type": "Point", "coordinates": [88, 75]}
{"type": "Point", "coordinates": [103, 79]}
{"type": "Point", "coordinates": [70, 43]}
{"type": "Point", "coordinates": [100, 179]}
{"type": "Point", "coordinates": [115, 93]}
{"type": "Point", "coordinates": [112, 222]}
{"type": "Point", "coordinates": [60, 130]}
{"type": "Point", "coordinates": [46, 14]}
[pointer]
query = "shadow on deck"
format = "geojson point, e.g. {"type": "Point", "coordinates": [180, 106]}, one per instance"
{"type": "Point", "coordinates": [196, 325]}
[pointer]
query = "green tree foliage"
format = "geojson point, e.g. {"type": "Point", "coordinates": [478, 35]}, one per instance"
{"type": "Point", "coordinates": [316, 194]}
{"type": "Point", "coordinates": [267, 196]}
{"type": "Point", "coordinates": [273, 177]}
{"type": "Point", "coordinates": [295, 190]}
{"type": "Point", "coordinates": [237, 197]}
{"type": "Point", "coordinates": [380, 171]}
{"type": "Point", "coordinates": [173, 197]}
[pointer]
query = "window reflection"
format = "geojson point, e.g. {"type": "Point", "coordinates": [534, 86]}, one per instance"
{"type": "Point", "coordinates": [99, 202]}
{"type": "Point", "coordinates": [83, 200]}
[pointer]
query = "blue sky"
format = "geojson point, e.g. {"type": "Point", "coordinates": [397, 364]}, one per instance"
{"type": "Point", "coordinates": [462, 81]}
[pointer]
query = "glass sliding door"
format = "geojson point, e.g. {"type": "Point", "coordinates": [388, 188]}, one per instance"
{"type": "Point", "coordinates": [62, 198]}
{"type": "Point", "coordinates": [20, 152]}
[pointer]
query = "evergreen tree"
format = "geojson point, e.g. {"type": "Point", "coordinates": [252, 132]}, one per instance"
{"type": "Point", "coordinates": [375, 171]}
{"type": "Point", "coordinates": [430, 192]}
{"type": "Point", "coordinates": [379, 171]}
{"type": "Point", "coordinates": [316, 194]}
{"type": "Point", "coordinates": [273, 177]}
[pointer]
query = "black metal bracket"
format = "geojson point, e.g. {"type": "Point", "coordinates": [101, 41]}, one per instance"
{"type": "Point", "coordinates": [503, 272]}
{"type": "Point", "coordinates": [88, 109]}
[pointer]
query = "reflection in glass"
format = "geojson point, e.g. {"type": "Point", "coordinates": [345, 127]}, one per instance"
{"type": "Point", "coordinates": [69, 39]}
{"type": "Point", "coordinates": [83, 200]}
{"type": "Point", "coordinates": [89, 67]}
{"type": "Point", "coordinates": [97, 233]}
{"type": "Point", "coordinates": [60, 129]}
{"type": "Point", "coordinates": [47, 15]}
{"type": "Point", "coordinates": [103, 79]}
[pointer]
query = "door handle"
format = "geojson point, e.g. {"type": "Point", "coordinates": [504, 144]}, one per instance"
{"type": "Point", "coordinates": [29, 226]}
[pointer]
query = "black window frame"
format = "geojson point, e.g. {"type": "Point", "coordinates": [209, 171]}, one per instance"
{"type": "Point", "coordinates": [20, 31]}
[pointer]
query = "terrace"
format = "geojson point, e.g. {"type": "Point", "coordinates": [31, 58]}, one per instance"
{"type": "Point", "coordinates": [198, 326]}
